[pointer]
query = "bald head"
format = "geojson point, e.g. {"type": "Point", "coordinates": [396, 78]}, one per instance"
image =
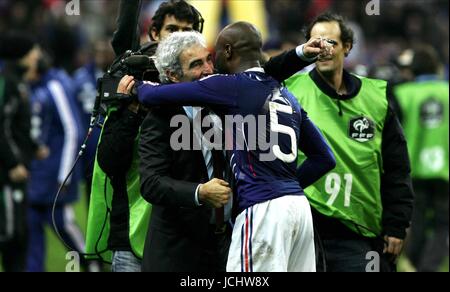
{"type": "Point", "coordinates": [238, 44]}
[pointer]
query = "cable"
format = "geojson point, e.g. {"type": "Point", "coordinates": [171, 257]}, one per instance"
{"type": "Point", "coordinates": [321, 248]}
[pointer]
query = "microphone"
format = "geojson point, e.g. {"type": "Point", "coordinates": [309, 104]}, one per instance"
{"type": "Point", "coordinates": [139, 61]}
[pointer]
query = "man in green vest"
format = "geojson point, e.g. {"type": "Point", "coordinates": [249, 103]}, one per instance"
{"type": "Point", "coordinates": [363, 207]}
{"type": "Point", "coordinates": [423, 105]}
{"type": "Point", "coordinates": [17, 149]}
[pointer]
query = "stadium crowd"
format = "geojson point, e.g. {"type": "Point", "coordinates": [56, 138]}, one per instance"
{"type": "Point", "coordinates": [152, 208]}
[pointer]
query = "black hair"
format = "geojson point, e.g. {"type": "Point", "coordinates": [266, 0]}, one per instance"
{"type": "Point", "coordinates": [425, 60]}
{"type": "Point", "coordinates": [181, 10]}
{"type": "Point", "coordinates": [347, 34]}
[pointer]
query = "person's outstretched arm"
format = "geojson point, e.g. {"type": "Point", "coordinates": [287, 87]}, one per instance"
{"type": "Point", "coordinates": [115, 150]}
{"type": "Point", "coordinates": [126, 37]}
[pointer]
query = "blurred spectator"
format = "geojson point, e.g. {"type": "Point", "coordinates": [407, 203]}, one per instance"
{"type": "Point", "coordinates": [55, 123]}
{"type": "Point", "coordinates": [373, 210]}
{"type": "Point", "coordinates": [114, 232]}
{"type": "Point", "coordinates": [85, 83]}
{"type": "Point", "coordinates": [286, 16]}
{"type": "Point", "coordinates": [219, 13]}
{"type": "Point", "coordinates": [400, 25]}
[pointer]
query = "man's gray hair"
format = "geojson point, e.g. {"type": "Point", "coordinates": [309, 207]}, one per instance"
{"type": "Point", "coordinates": [170, 49]}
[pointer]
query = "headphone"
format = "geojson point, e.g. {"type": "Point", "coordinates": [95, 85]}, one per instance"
{"type": "Point", "coordinates": [199, 18]}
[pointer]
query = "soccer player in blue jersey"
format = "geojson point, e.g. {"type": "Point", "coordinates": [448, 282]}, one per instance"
{"type": "Point", "coordinates": [273, 231]}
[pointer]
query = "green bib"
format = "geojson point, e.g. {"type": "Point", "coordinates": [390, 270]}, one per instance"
{"type": "Point", "coordinates": [424, 108]}
{"type": "Point", "coordinates": [351, 191]}
{"type": "Point", "coordinates": [99, 211]}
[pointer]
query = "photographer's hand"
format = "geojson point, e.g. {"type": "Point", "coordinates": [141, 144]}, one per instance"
{"type": "Point", "coordinates": [126, 85]}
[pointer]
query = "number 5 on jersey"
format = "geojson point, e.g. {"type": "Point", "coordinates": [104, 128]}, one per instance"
{"type": "Point", "coordinates": [333, 185]}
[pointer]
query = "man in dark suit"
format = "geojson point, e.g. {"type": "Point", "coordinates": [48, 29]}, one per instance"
{"type": "Point", "coordinates": [179, 184]}
{"type": "Point", "coordinates": [185, 234]}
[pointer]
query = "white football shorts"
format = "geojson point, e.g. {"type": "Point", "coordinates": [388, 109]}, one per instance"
{"type": "Point", "coordinates": [274, 236]}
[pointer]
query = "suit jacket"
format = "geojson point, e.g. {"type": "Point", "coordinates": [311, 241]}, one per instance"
{"type": "Point", "coordinates": [179, 236]}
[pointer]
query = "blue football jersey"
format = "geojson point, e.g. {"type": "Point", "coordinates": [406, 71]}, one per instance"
{"type": "Point", "coordinates": [55, 123]}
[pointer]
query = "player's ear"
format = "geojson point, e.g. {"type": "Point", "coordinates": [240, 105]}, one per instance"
{"type": "Point", "coordinates": [173, 77]}
{"type": "Point", "coordinates": [228, 51]}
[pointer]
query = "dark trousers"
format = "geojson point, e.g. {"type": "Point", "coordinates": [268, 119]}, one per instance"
{"type": "Point", "coordinates": [428, 242]}
{"type": "Point", "coordinates": [179, 252]}
{"type": "Point", "coordinates": [216, 257]}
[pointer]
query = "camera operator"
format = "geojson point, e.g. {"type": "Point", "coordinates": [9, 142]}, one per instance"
{"type": "Point", "coordinates": [16, 150]}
